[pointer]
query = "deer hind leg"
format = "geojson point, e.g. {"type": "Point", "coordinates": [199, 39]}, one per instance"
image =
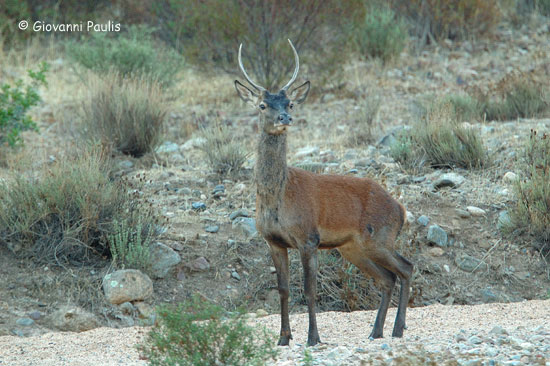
{"type": "Point", "coordinates": [403, 268]}
{"type": "Point", "coordinates": [384, 278]}
{"type": "Point", "coordinates": [280, 260]}
{"type": "Point", "coordinates": [308, 255]}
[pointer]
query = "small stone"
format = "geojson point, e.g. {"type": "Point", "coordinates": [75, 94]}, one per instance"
{"type": "Point", "coordinates": [409, 216]}
{"type": "Point", "coordinates": [475, 340]}
{"type": "Point", "coordinates": [475, 211]}
{"type": "Point", "coordinates": [125, 164]}
{"type": "Point", "coordinates": [198, 206]}
{"type": "Point", "coordinates": [168, 147]}
{"type": "Point", "coordinates": [245, 225]}
{"type": "Point", "coordinates": [436, 252]}
{"type": "Point", "coordinates": [219, 188]}
{"type": "Point", "coordinates": [419, 179]}
{"type": "Point", "coordinates": [452, 180]}
{"type": "Point", "coordinates": [437, 236]}
{"type": "Point", "coordinates": [488, 295]}
{"type": "Point", "coordinates": [24, 322]}
{"type": "Point", "coordinates": [469, 264]}
{"type": "Point", "coordinates": [260, 313]}
{"type": "Point", "coordinates": [510, 177]}
{"type": "Point", "coordinates": [199, 264]}
{"type": "Point", "coordinates": [235, 275]}
{"type": "Point", "coordinates": [127, 308]}
{"type": "Point", "coordinates": [527, 346]}
{"type": "Point", "coordinates": [35, 315]}
{"type": "Point", "coordinates": [163, 259]}
{"type": "Point", "coordinates": [504, 220]}
{"type": "Point", "coordinates": [385, 346]}
{"type": "Point", "coordinates": [423, 220]}
{"type": "Point", "coordinates": [241, 212]}
{"type": "Point", "coordinates": [463, 213]}
{"type": "Point", "coordinates": [446, 268]}
{"type": "Point", "coordinates": [460, 337]}
{"type": "Point", "coordinates": [212, 229]}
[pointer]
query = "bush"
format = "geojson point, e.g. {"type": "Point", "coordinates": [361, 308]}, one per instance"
{"type": "Point", "coordinates": [15, 101]}
{"type": "Point", "coordinates": [134, 53]}
{"type": "Point", "coordinates": [381, 35]}
{"type": "Point", "coordinates": [197, 333]}
{"type": "Point", "coordinates": [440, 19]}
{"type": "Point", "coordinates": [403, 149]}
{"type": "Point", "coordinates": [130, 245]}
{"type": "Point", "coordinates": [463, 107]}
{"type": "Point", "coordinates": [65, 212]}
{"type": "Point", "coordinates": [225, 152]}
{"type": "Point", "coordinates": [211, 37]}
{"type": "Point", "coordinates": [124, 114]}
{"type": "Point", "coordinates": [446, 143]}
{"type": "Point", "coordinates": [543, 6]}
{"type": "Point", "coordinates": [532, 210]}
{"type": "Point", "coordinates": [363, 119]}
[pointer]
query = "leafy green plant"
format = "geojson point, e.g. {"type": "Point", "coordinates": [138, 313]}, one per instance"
{"type": "Point", "coordinates": [197, 333]}
{"type": "Point", "coordinates": [15, 102]}
{"type": "Point", "coordinates": [522, 100]}
{"type": "Point", "coordinates": [532, 210]}
{"type": "Point", "coordinates": [130, 245]}
{"type": "Point", "coordinates": [308, 358]}
{"type": "Point", "coordinates": [403, 149]}
{"type": "Point", "coordinates": [134, 53]}
{"type": "Point", "coordinates": [463, 107]}
{"type": "Point", "coordinates": [382, 35]}
{"type": "Point", "coordinates": [223, 150]}
{"type": "Point", "coordinates": [124, 114]}
{"type": "Point", "coordinates": [63, 213]}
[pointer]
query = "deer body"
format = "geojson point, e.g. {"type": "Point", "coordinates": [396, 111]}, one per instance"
{"type": "Point", "coordinates": [301, 210]}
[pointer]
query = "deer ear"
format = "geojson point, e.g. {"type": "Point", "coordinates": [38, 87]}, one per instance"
{"type": "Point", "coordinates": [299, 94]}
{"type": "Point", "coordinates": [246, 94]}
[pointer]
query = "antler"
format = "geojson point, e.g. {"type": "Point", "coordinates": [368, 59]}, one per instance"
{"type": "Point", "coordinates": [297, 61]}
{"type": "Point", "coordinates": [260, 88]}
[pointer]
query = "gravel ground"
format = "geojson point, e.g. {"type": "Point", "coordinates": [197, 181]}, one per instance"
{"type": "Point", "coordinates": [489, 334]}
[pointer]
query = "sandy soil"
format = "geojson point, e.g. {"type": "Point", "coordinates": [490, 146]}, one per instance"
{"type": "Point", "coordinates": [433, 327]}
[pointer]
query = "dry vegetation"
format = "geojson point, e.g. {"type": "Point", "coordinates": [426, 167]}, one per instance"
{"type": "Point", "coordinates": [443, 101]}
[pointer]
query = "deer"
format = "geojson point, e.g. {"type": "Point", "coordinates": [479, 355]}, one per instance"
{"type": "Point", "coordinates": [298, 209]}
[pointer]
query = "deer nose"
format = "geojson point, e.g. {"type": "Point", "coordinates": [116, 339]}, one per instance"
{"type": "Point", "coordinates": [285, 118]}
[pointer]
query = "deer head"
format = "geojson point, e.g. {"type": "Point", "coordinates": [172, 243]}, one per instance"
{"type": "Point", "coordinates": [275, 108]}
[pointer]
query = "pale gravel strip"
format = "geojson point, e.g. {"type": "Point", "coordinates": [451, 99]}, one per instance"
{"type": "Point", "coordinates": [433, 327]}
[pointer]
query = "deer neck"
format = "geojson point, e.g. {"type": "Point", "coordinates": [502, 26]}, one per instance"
{"type": "Point", "coordinates": [271, 169]}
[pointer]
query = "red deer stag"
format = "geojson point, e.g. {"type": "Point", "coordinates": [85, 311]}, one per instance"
{"type": "Point", "coordinates": [305, 211]}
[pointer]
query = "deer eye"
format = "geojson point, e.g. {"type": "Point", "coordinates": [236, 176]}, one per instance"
{"type": "Point", "coordinates": [262, 106]}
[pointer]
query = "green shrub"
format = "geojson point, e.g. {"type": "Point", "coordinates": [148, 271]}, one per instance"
{"type": "Point", "coordinates": [522, 100]}
{"type": "Point", "coordinates": [464, 107]}
{"type": "Point", "coordinates": [403, 150]}
{"type": "Point", "coordinates": [210, 37]}
{"type": "Point", "coordinates": [130, 245]}
{"type": "Point", "coordinates": [532, 210]}
{"type": "Point", "coordinates": [381, 35]}
{"type": "Point", "coordinates": [446, 143]}
{"type": "Point", "coordinates": [224, 151]}
{"type": "Point", "coordinates": [197, 333]}
{"type": "Point", "coordinates": [15, 102]}
{"type": "Point", "coordinates": [124, 114]}
{"type": "Point", "coordinates": [134, 53]}
{"type": "Point", "coordinates": [442, 19]}
{"type": "Point", "coordinates": [64, 213]}
{"type": "Point", "coordinates": [543, 6]}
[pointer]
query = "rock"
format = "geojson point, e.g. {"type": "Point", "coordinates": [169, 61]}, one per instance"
{"type": "Point", "coordinates": [469, 264]}
{"type": "Point", "coordinates": [212, 229]}
{"type": "Point", "coordinates": [510, 177]}
{"type": "Point", "coordinates": [72, 319]}
{"type": "Point", "coordinates": [498, 330]}
{"type": "Point", "coordinates": [199, 264]}
{"type": "Point", "coordinates": [127, 285]}
{"type": "Point", "coordinates": [387, 140]}
{"type": "Point", "coordinates": [475, 211]}
{"type": "Point", "coordinates": [35, 315]}
{"type": "Point", "coordinates": [198, 206]}
{"type": "Point", "coordinates": [260, 313]}
{"type": "Point", "coordinates": [463, 213]}
{"type": "Point", "coordinates": [163, 259]}
{"type": "Point", "coordinates": [167, 147]}
{"type": "Point", "coordinates": [24, 322]}
{"type": "Point", "coordinates": [436, 252]}
{"type": "Point", "coordinates": [220, 188]}
{"type": "Point", "coordinates": [235, 275]}
{"type": "Point", "coordinates": [437, 236]}
{"type": "Point", "coordinates": [423, 220]}
{"type": "Point", "coordinates": [409, 216]}
{"type": "Point", "coordinates": [196, 142]}
{"type": "Point", "coordinates": [145, 310]}
{"type": "Point", "coordinates": [307, 151]}
{"type": "Point", "coordinates": [475, 340]}
{"type": "Point", "coordinates": [127, 308]}
{"type": "Point", "coordinates": [487, 295]}
{"type": "Point", "coordinates": [452, 180]}
{"type": "Point", "coordinates": [241, 212]}
{"type": "Point", "coordinates": [504, 220]}
{"type": "Point", "coordinates": [125, 164]}
{"type": "Point", "coordinates": [419, 179]}
{"type": "Point", "coordinates": [246, 226]}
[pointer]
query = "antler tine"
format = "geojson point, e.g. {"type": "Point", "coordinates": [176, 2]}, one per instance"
{"type": "Point", "coordinates": [297, 61]}
{"type": "Point", "coordinates": [260, 88]}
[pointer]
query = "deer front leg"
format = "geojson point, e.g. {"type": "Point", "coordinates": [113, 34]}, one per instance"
{"type": "Point", "coordinates": [280, 261]}
{"type": "Point", "coordinates": [309, 262]}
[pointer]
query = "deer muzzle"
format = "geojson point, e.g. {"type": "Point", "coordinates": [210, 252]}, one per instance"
{"type": "Point", "coordinates": [284, 119]}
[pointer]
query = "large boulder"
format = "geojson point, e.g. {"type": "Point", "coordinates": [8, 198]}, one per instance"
{"type": "Point", "coordinates": [71, 318]}
{"type": "Point", "coordinates": [127, 285]}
